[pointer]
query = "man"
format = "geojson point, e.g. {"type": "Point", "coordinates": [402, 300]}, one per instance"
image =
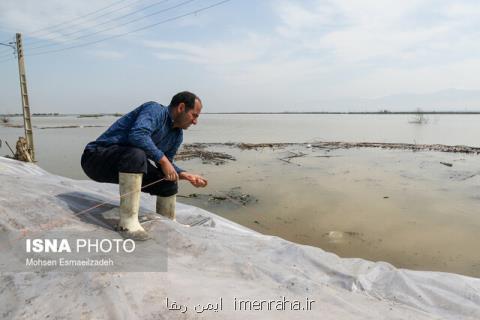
{"type": "Point", "coordinates": [138, 150]}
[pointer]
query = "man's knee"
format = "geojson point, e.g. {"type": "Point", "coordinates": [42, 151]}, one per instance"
{"type": "Point", "coordinates": [133, 160]}
{"type": "Point", "coordinates": [163, 189]}
{"type": "Point", "coordinates": [91, 166]}
{"type": "Point", "coordinates": [170, 188]}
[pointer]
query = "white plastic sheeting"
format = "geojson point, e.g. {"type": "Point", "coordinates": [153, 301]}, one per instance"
{"type": "Point", "coordinates": [214, 263]}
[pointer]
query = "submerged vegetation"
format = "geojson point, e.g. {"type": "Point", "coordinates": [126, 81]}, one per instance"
{"type": "Point", "coordinates": [94, 115]}
{"type": "Point", "coordinates": [196, 150]}
{"type": "Point", "coordinates": [419, 118]}
{"type": "Point", "coordinates": [98, 115]}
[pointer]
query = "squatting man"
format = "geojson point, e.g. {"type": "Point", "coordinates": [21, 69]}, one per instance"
{"type": "Point", "coordinates": [137, 150]}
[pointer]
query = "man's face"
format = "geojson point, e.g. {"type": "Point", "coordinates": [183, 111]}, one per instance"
{"type": "Point", "coordinates": [186, 119]}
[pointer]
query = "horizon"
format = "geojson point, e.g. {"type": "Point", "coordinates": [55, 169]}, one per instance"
{"type": "Point", "coordinates": [383, 112]}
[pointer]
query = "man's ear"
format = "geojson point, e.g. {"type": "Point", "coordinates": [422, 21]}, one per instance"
{"type": "Point", "coordinates": [181, 107]}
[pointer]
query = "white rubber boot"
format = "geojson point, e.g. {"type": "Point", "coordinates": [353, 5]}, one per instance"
{"type": "Point", "coordinates": [166, 206]}
{"type": "Point", "coordinates": [130, 187]}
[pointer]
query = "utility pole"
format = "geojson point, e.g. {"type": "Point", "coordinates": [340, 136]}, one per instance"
{"type": "Point", "coordinates": [25, 150]}
{"type": "Point", "coordinates": [24, 94]}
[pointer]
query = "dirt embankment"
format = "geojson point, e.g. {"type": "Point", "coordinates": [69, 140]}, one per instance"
{"type": "Point", "coordinates": [198, 148]}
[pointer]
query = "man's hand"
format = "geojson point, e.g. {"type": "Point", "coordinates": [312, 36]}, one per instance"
{"type": "Point", "coordinates": [168, 169]}
{"type": "Point", "coordinates": [196, 180]}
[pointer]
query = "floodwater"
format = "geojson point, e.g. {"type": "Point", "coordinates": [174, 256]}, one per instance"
{"type": "Point", "coordinates": [398, 206]}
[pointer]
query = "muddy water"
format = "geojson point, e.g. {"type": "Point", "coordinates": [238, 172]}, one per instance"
{"type": "Point", "coordinates": [402, 207]}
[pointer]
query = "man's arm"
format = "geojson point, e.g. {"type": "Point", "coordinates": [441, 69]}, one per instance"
{"type": "Point", "coordinates": [195, 180]}
{"type": "Point", "coordinates": [168, 169]}
{"type": "Point", "coordinates": [172, 175]}
{"type": "Point", "coordinates": [170, 154]}
{"type": "Point", "coordinates": [173, 151]}
{"type": "Point", "coordinates": [140, 134]}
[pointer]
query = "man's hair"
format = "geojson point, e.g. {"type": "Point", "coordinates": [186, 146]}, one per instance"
{"type": "Point", "coordinates": [186, 97]}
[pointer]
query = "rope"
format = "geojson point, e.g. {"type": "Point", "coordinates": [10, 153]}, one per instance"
{"type": "Point", "coordinates": [26, 231]}
{"type": "Point", "coordinates": [58, 222]}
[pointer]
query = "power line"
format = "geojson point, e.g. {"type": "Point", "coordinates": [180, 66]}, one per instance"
{"type": "Point", "coordinates": [8, 46]}
{"type": "Point", "coordinates": [10, 59]}
{"type": "Point", "coordinates": [96, 25]}
{"type": "Point", "coordinates": [8, 54]}
{"type": "Point", "coordinates": [4, 49]}
{"type": "Point", "coordinates": [67, 26]}
{"type": "Point", "coordinates": [136, 30]}
{"type": "Point", "coordinates": [79, 18]}
{"type": "Point", "coordinates": [129, 32]}
{"type": "Point", "coordinates": [118, 26]}
{"type": "Point", "coordinates": [11, 55]}
{"type": "Point", "coordinates": [7, 41]}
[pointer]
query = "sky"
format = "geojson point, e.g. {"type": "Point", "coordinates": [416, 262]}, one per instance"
{"type": "Point", "coordinates": [107, 56]}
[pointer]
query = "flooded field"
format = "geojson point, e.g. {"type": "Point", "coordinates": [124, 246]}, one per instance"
{"type": "Point", "coordinates": [403, 207]}
{"type": "Point", "coordinates": [414, 209]}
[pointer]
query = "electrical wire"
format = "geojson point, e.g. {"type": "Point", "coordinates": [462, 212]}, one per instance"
{"type": "Point", "coordinates": [133, 31]}
{"type": "Point", "coordinates": [68, 26]}
{"type": "Point", "coordinates": [117, 26]}
{"type": "Point", "coordinates": [78, 18]}
{"type": "Point", "coordinates": [8, 54]}
{"type": "Point", "coordinates": [125, 33]}
{"type": "Point", "coordinates": [98, 25]}
{"type": "Point", "coordinates": [10, 59]}
{"type": "Point", "coordinates": [6, 43]}
{"type": "Point", "coordinates": [8, 46]}
{"type": "Point", "coordinates": [4, 53]}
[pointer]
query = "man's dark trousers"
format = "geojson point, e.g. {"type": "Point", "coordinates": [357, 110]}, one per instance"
{"type": "Point", "coordinates": [103, 164]}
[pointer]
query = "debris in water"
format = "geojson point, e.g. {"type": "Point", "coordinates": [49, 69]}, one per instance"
{"type": "Point", "coordinates": [234, 197]}
{"type": "Point", "coordinates": [190, 151]}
